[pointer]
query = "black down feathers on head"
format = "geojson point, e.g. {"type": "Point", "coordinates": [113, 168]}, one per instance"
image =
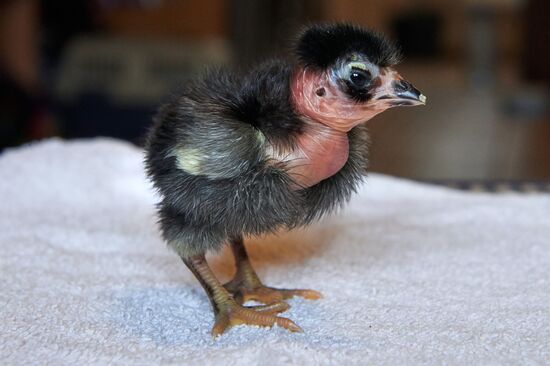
{"type": "Point", "coordinates": [322, 45]}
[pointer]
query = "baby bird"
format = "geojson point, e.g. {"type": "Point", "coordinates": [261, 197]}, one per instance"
{"type": "Point", "coordinates": [279, 147]}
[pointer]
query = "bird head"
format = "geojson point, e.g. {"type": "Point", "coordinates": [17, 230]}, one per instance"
{"type": "Point", "coordinates": [346, 76]}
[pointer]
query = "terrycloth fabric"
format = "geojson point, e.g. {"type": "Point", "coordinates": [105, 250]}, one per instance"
{"type": "Point", "coordinates": [412, 274]}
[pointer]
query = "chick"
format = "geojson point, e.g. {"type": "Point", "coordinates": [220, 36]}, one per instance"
{"type": "Point", "coordinates": [236, 155]}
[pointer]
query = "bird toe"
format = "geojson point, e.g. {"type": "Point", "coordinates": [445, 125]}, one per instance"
{"type": "Point", "coordinates": [270, 295]}
{"type": "Point", "coordinates": [240, 315]}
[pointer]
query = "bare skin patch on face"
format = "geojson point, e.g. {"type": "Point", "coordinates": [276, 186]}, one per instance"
{"type": "Point", "coordinates": [377, 82]}
{"type": "Point", "coordinates": [333, 108]}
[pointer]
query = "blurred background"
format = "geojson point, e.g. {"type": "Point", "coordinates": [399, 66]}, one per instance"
{"type": "Point", "coordinates": [86, 68]}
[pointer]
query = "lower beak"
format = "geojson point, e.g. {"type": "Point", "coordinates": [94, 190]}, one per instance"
{"type": "Point", "coordinates": [405, 94]}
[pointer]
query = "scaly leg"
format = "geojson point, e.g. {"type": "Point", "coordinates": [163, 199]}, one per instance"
{"type": "Point", "coordinates": [246, 285]}
{"type": "Point", "coordinates": [226, 310]}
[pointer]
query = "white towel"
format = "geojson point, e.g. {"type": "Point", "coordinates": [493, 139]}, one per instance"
{"type": "Point", "coordinates": [411, 274]}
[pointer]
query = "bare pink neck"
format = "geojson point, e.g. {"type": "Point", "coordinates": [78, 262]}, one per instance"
{"type": "Point", "coordinates": [320, 153]}
{"type": "Point", "coordinates": [321, 150]}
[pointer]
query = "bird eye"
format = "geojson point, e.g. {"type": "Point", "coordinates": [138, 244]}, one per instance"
{"type": "Point", "coordinates": [358, 77]}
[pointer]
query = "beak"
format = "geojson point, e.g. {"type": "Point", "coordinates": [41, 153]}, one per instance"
{"type": "Point", "coordinates": [404, 93]}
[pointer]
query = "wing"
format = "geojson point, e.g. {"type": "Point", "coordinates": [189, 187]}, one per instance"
{"type": "Point", "coordinates": [210, 168]}
{"type": "Point", "coordinates": [216, 146]}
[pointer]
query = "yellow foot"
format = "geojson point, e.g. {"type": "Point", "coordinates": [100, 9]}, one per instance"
{"type": "Point", "coordinates": [235, 314]}
{"type": "Point", "coordinates": [269, 295]}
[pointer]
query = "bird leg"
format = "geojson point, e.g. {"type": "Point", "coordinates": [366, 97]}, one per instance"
{"type": "Point", "coordinates": [246, 285]}
{"type": "Point", "coordinates": [227, 311]}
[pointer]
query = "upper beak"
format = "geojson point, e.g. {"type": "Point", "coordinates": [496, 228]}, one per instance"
{"type": "Point", "coordinates": [404, 93]}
